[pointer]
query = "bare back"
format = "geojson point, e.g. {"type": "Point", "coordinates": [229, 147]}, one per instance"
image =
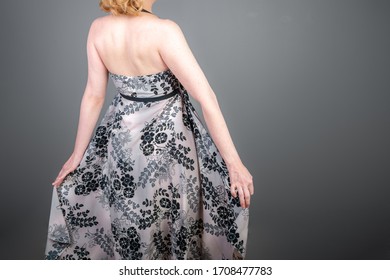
{"type": "Point", "coordinates": [128, 45]}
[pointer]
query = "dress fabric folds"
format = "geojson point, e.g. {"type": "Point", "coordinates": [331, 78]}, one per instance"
{"type": "Point", "coordinates": [151, 184]}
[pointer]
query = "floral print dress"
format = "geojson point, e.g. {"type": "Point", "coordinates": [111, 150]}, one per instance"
{"type": "Point", "coordinates": [151, 184]}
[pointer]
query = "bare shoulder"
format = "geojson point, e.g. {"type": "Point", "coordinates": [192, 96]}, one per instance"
{"type": "Point", "coordinates": [97, 23]}
{"type": "Point", "coordinates": [168, 32]}
{"type": "Point", "coordinates": [170, 27]}
{"type": "Point", "coordinates": [160, 27]}
{"type": "Point", "coordinates": [100, 21]}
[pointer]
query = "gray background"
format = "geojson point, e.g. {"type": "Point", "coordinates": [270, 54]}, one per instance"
{"type": "Point", "coordinates": [303, 85]}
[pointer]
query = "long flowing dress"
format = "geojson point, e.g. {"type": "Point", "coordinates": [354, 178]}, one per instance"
{"type": "Point", "coordinates": [151, 184]}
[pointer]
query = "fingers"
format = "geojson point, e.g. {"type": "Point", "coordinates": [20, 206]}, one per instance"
{"type": "Point", "coordinates": [241, 183]}
{"type": "Point", "coordinates": [247, 197]}
{"type": "Point", "coordinates": [61, 176]}
{"type": "Point", "coordinates": [251, 188]}
{"type": "Point", "coordinates": [241, 196]}
{"type": "Point", "coordinates": [244, 194]}
{"type": "Point", "coordinates": [233, 190]}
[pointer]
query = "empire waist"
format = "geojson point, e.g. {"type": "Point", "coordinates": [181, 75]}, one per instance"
{"type": "Point", "coordinates": [151, 98]}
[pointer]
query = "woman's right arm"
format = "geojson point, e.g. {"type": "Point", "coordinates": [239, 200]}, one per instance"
{"type": "Point", "coordinates": [178, 56]}
{"type": "Point", "coordinates": [91, 105]}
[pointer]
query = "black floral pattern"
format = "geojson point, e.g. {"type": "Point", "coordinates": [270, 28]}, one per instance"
{"type": "Point", "coordinates": [151, 184]}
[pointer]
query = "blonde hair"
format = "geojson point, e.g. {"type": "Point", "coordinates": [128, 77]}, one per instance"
{"type": "Point", "coordinates": [123, 7]}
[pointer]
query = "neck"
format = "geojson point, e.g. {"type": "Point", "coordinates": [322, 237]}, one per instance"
{"type": "Point", "coordinates": [148, 5]}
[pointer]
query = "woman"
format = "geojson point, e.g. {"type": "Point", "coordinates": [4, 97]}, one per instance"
{"type": "Point", "coordinates": [151, 183]}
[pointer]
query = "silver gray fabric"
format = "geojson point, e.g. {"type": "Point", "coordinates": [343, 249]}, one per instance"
{"type": "Point", "coordinates": [151, 184]}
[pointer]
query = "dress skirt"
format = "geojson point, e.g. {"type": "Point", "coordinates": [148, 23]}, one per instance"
{"type": "Point", "coordinates": [151, 184]}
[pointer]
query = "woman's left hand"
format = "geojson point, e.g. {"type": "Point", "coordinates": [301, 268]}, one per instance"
{"type": "Point", "coordinates": [241, 183]}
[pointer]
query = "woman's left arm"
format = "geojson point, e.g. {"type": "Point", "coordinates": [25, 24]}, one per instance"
{"type": "Point", "coordinates": [179, 58]}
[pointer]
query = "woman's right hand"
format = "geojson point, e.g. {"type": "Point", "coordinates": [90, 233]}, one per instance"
{"type": "Point", "coordinates": [69, 166]}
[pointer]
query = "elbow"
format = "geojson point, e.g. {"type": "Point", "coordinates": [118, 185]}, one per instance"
{"type": "Point", "coordinates": [94, 96]}
{"type": "Point", "coordinates": [95, 92]}
{"type": "Point", "coordinates": [209, 102]}
{"type": "Point", "coordinates": [93, 100]}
